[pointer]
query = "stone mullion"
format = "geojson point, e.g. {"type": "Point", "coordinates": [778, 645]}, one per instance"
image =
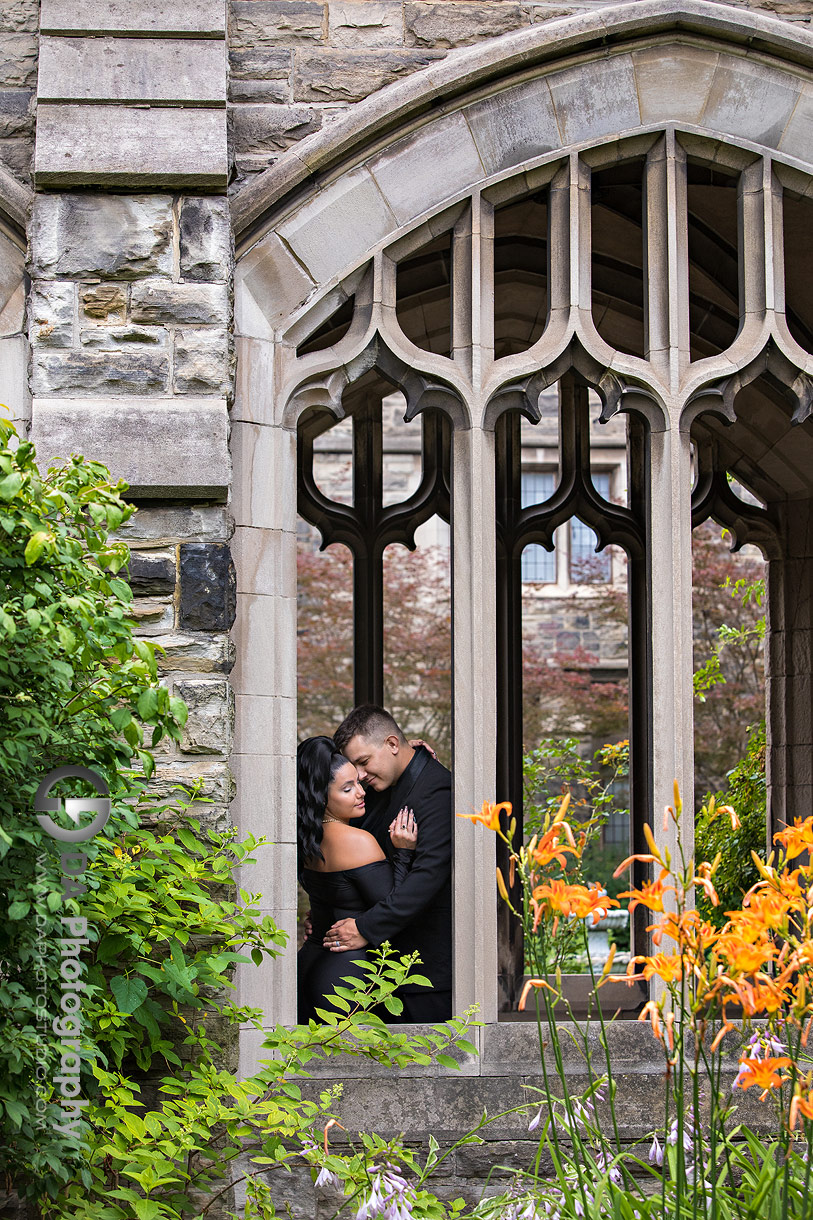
{"type": "Point", "coordinates": [559, 246]}
{"type": "Point", "coordinates": [677, 266]}
{"type": "Point", "coordinates": [580, 245]}
{"type": "Point", "coordinates": [754, 223]}
{"type": "Point", "coordinates": [475, 717]}
{"type": "Point", "coordinates": [790, 673]}
{"type": "Point", "coordinates": [670, 579]}
{"type": "Point", "coordinates": [656, 260]}
{"type": "Point", "coordinates": [669, 545]}
{"type": "Point", "coordinates": [463, 274]}
{"type": "Point", "coordinates": [480, 303]}
{"type": "Point", "coordinates": [775, 246]}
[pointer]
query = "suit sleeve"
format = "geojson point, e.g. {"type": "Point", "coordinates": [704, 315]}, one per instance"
{"type": "Point", "coordinates": [431, 868]}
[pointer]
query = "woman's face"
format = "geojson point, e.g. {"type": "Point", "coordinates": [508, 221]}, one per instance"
{"type": "Point", "coordinates": [345, 796]}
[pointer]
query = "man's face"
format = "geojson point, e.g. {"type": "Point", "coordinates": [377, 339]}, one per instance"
{"type": "Point", "coordinates": [378, 765]}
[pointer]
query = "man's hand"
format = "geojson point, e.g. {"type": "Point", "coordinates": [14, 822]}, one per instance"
{"type": "Point", "coordinates": [343, 936]}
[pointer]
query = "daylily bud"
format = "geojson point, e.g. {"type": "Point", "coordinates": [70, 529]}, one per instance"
{"type": "Point", "coordinates": [501, 886]}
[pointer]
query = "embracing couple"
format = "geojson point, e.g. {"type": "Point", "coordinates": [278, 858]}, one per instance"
{"type": "Point", "coordinates": [374, 849]}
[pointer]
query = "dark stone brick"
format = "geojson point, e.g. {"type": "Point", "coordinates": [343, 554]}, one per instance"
{"type": "Point", "coordinates": [208, 587]}
{"type": "Point", "coordinates": [151, 574]}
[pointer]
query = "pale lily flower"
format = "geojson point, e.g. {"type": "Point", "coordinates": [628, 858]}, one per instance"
{"type": "Point", "coordinates": [326, 1178]}
{"type": "Point", "coordinates": [656, 1153]}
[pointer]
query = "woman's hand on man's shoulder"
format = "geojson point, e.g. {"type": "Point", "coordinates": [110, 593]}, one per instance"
{"type": "Point", "coordinates": [404, 829]}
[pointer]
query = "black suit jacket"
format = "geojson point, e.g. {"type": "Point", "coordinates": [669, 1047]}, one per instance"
{"type": "Point", "coordinates": [418, 913]}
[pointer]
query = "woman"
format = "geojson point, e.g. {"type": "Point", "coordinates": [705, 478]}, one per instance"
{"type": "Point", "coordinates": [341, 866]}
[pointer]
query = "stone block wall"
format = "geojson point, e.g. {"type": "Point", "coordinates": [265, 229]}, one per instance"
{"type": "Point", "coordinates": [130, 295]}
{"type": "Point", "coordinates": [506, 1072]}
{"type": "Point", "coordinates": [296, 64]}
{"type": "Point", "coordinates": [19, 44]}
{"type": "Point", "coordinates": [183, 583]}
{"type": "Point", "coordinates": [129, 323]}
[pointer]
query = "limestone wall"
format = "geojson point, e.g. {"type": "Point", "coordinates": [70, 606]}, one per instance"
{"type": "Point", "coordinates": [296, 64]}
{"type": "Point", "coordinates": [19, 25]}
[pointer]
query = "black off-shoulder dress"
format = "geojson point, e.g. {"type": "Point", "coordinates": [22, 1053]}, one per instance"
{"type": "Point", "coordinates": [341, 895]}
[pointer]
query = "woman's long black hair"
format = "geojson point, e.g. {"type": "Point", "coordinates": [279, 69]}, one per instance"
{"type": "Point", "coordinates": [317, 761]}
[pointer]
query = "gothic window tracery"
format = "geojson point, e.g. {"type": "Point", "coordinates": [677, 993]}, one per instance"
{"type": "Point", "coordinates": [650, 272]}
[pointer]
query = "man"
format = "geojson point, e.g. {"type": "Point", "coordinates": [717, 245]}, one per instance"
{"type": "Point", "coordinates": [418, 914]}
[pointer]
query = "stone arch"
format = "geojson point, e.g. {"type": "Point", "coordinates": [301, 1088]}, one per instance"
{"type": "Point", "coordinates": [316, 228]}
{"type": "Point", "coordinates": [510, 104]}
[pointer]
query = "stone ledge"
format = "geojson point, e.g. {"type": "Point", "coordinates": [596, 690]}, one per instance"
{"type": "Point", "coordinates": [189, 71]}
{"type": "Point", "coordinates": [151, 18]}
{"type": "Point", "coordinates": [158, 146]}
{"type": "Point", "coordinates": [141, 442]}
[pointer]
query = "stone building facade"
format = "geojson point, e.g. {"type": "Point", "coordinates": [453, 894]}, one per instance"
{"type": "Point", "coordinates": [190, 195]}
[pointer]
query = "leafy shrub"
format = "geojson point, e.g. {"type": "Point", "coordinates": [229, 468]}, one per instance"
{"type": "Point", "coordinates": [75, 687]}
{"type": "Point", "coordinates": [747, 793]}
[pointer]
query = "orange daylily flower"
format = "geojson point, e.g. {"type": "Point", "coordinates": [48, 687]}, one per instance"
{"type": "Point", "coordinates": [800, 1105]}
{"type": "Point", "coordinates": [579, 900]}
{"type": "Point", "coordinates": [804, 953]}
{"type": "Point", "coordinates": [650, 1012]}
{"type": "Point", "coordinates": [668, 967]}
{"type": "Point", "coordinates": [703, 878]}
{"type": "Point", "coordinates": [764, 1073]}
{"type": "Point", "coordinates": [550, 847]}
{"type": "Point", "coordinates": [732, 814]}
{"type": "Point", "coordinates": [757, 999]}
{"type": "Point", "coordinates": [688, 930]}
{"type": "Point", "coordinates": [489, 815]}
{"type": "Point", "coordinates": [651, 893]}
{"type": "Point", "coordinates": [530, 984]}
{"type": "Point", "coordinates": [744, 957]}
{"type": "Point", "coordinates": [797, 838]}
{"type": "Point", "coordinates": [766, 908]}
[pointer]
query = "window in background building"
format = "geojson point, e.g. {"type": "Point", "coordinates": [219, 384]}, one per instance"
{"type": "Point", "coordinates": [587, 567]}
{"type": "Point", "coordinates": [538, 565]}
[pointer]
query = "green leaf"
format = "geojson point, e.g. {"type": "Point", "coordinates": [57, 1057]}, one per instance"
{"type": "Point", "coordinates": [129, 993]}
{"type": "Point", "coordinates": [34, 547]}
{"type": "Point", "coordinates": [448, 1062]}
{"type": "Point", "coordinates": [146, 1209]}
{"type": "Point", "coordinates": [10, 485]}
{"type": "Point", "coordinates": [16, 1112]}
{"type": "Point", "coordinates": [257, 956]}
{"type": "Point", "coordinates": [18, 910]}
{"type": "Point", "coordinates": [148, 703]}
{"type": "Point", "coordinates": [188, 839]}
{"type": "Point", "coordinates": [464, 1045]}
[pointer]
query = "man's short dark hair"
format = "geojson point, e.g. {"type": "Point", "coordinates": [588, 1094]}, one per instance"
{"type": "Point", "coordinates": [368, 721]}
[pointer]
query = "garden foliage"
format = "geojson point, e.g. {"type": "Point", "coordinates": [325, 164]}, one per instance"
{"type": "Point", "coordinates": [75, 687]}
{"type": "Point", "coordinates": [165, 1117]}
